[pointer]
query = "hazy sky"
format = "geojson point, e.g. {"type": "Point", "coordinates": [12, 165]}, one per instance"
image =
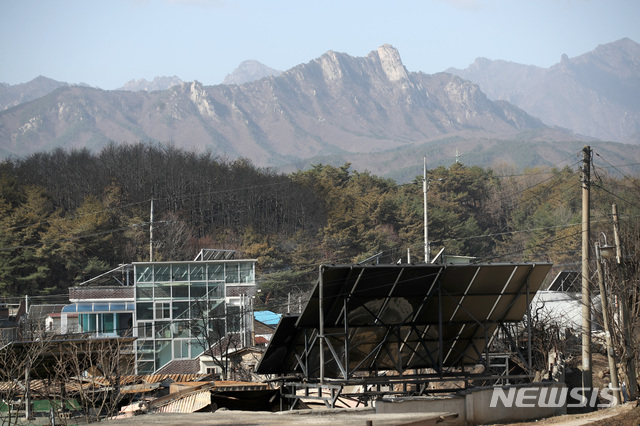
{"type": "Point", "coordinates": [106, 43]}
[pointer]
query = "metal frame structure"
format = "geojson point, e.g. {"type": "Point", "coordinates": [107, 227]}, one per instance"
{"type": "Point", "coordinates": [393, 329]}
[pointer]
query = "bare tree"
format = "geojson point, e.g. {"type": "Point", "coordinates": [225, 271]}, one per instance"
{"type": "Point", "coordinates": [95, 368]}
{"type": "Point", "coordinates": [20, 362]}
{"type": "Point", "coordinates": [220, 332]}
{"type": "Point", "coordinates": [173, 237]}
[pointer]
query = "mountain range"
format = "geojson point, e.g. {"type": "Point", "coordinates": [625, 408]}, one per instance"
{"type": "Point", "coordinates": [158, 83]}
{"type": "Point", "coordinates": [595, 94]}
{"type": "Point", "coordinates": [370, 111]}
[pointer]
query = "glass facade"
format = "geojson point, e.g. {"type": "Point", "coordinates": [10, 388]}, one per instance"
{"type": "Point", "coordinates": [174, 300]}
{"type": "Point", "coordinates": [103, 318]}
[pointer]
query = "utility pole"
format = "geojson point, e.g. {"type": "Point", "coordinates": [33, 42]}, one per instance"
{"type": "Point", "coordinates": [151, 233]}
{"type": "Point", "coordinates": [321, 321]}
{"type": "Point", "coordinates": [611, 356]}
{"type": "Point", "coordinates": [629, 357]}
{"type": "Point", "coordinates": [426, 215]}
{"type": "Point", "coordinates": [587, 378]}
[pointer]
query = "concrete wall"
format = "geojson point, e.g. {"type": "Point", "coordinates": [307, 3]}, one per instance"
{"type": "Point", "coordinates": [473, 406]}
{"type": "Point", "coordinates": [425, 404]}
{"type": "Point", "coordinates": [479, 411]}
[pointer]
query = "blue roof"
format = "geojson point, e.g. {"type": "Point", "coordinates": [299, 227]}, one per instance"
{"type": "Point", "coordinates": [267, 317]}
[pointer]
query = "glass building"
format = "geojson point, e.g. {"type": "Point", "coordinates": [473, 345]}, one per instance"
{"type": "Point", "coordinates": [175, 309]}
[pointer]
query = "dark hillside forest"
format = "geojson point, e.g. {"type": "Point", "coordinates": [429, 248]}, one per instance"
{"type": "Point", "coordinates": [68, 216]}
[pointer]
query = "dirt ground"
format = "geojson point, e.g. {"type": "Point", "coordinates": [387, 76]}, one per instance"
{"type": "Point", "coordinates": [623, 415]}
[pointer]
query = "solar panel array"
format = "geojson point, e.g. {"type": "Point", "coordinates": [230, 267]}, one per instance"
{"type": "Point", "coordinates": [373, 318]}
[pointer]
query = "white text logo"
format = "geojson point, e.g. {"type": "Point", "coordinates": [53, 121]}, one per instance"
{"type": "Point", "coordinates": [550, 397]}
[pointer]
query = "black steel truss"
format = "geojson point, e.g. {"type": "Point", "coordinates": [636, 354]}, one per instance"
{"type": "Point", "coordinates": [384, 326]}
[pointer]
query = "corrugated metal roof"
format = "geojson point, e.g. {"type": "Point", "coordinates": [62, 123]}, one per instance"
{"type": "Point", "coordinates": [177, 377]}
{"type": "Point", "coordinates": [136, 384]}
{"type": "Point", "coordinates": [187, 404]}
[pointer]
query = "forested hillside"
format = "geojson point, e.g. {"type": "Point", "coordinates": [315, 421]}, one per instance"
{"type": "Point", "coordinates": [68, 216]}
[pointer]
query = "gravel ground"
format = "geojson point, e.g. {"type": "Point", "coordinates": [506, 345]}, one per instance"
{"type": "Point", "coordinates": [623, 415]}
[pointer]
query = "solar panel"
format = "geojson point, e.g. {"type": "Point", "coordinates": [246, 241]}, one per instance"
{"type": "Point", "coordinates": [566, 281]}
{"type": "Point", "coordinates": [369, 318]}
{"type": "Point", "coordinates": [215, 254]}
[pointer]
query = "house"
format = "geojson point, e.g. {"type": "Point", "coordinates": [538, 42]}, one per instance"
{"type": "Point", "coordinates": [8, 330]}
{"type": "Point", "coordinates": [240, 363]}
{"type": "Point", "coordinates": [42, 318]}
{"type": "Point", "coordinates": [267, 317]}
{"type": "Point", "coordinates": [52, 323]}
{"type": "Point", "coordinates": [264, 325]}
{"type": "Point", "coordinates": [168, 306]}
{"type": "Point", "coordinates": [8, 323]}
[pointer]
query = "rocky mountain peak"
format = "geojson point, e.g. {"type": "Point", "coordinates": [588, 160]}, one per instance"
{"type": "Point", "coordinates": [391, 63]}
{"type": "Point", "coordinates": [11, 96]}
{"type": "Point", "coordinates": [330, 66]}
{"type": "Point", "coordinates": [249, 71]}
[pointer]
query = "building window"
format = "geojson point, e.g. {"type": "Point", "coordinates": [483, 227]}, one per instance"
{"type": "Point", "coordinates": [233, 318]}
{"type": "Point", "coordinates": [180, 273]}
{"type": "Point", "coordinates": [163, 330]}
{"type": "Point", "coordinates": [163, 352]}
{"type": "Point", "coordinates": [163, 310]}
{"type": "Point", "coordinates": [144, 274]}
{"type": "Point", "coordinates": [144, 311]}
{"type": "Point", "coordinates": [144, 291]}
{"type": "Point", "coordinates": [88, 323]}
{"type": "Point", "coordinates": [181, 310]}
{"type": "Point", "coordinates": [145, 350]}
{"type": "Point", "coordinates": [146, 367]}
{"type": "Point", "coordinates": [145, 330]}
{"type": "Point", "coordinates": [216, 290]}
{"type": "Point", "coordinates": [198, 290]}
{"type": "Point", "coordinates": [180, 291]}
{"type": "Point", "coordinates": [108, 323]}
{"type": "Point", "coordinates": [162, 291]}
{"type": "Point", "coordinates": [181, 329]}
{"type": "Point", "coordinates": [246, 273]}
{"type": "Point", "coordinates": [162, 273]}
{"type": "Point", "coordinates": [197, 273]}
{"type": "Point", "coordinates": [181, 348]}
{"type": "Point", "coordinates": [216, 272]}
{"type": "Point", "coordinates": [231, 273]}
